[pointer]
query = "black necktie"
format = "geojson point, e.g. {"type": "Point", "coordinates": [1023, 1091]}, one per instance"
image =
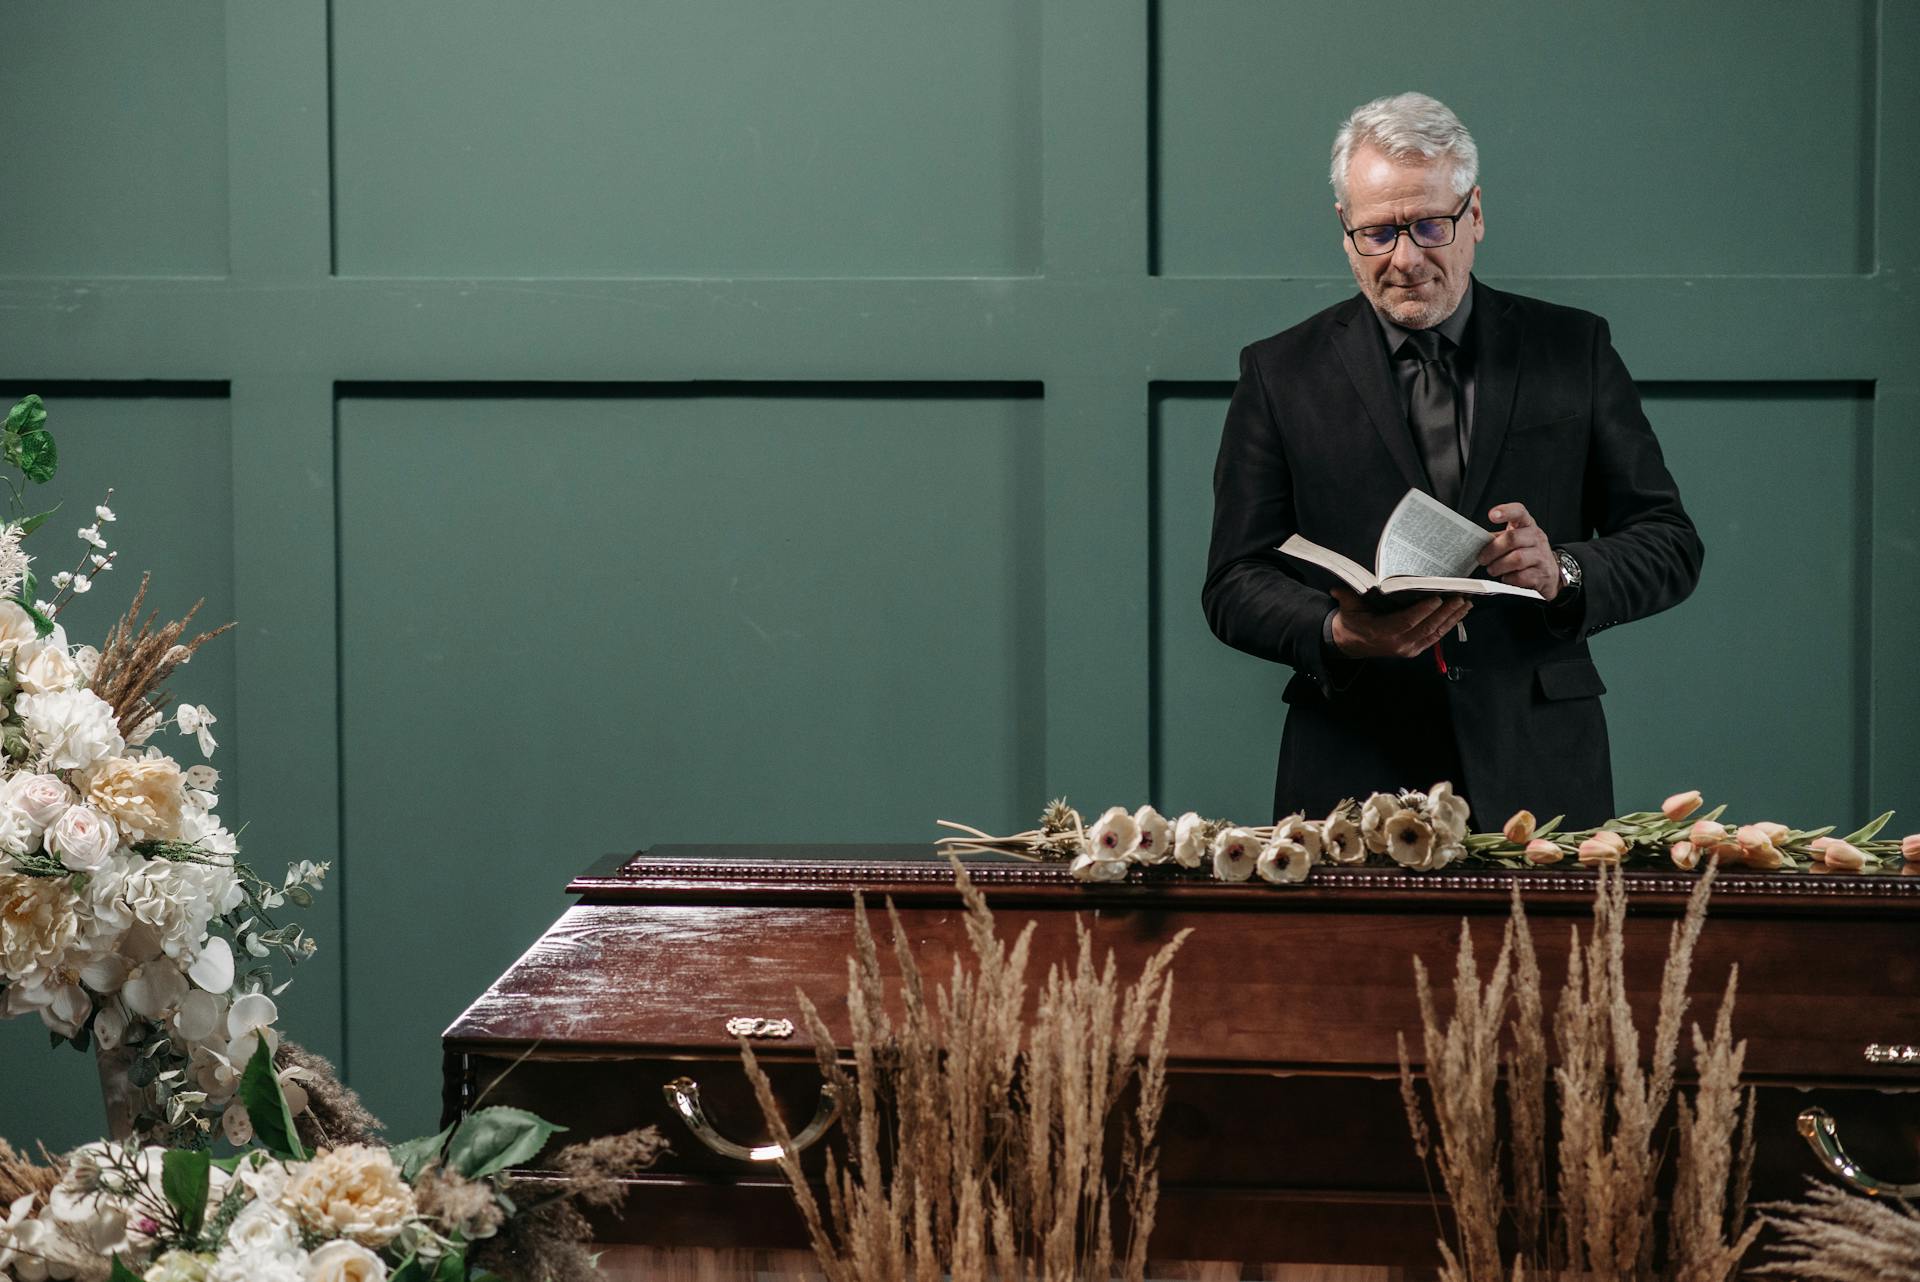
{"type": "Point", "coordinates": [1433, 410]}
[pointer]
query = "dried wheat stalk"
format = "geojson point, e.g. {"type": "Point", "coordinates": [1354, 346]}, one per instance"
{"type": "Point", "coordinates": [977, 1138]}
{"type": "Point", "coordinates": [138, 658]}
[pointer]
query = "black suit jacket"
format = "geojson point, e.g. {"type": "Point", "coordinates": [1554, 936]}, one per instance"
{"type": "Point", "coordinates": [1317, 441]}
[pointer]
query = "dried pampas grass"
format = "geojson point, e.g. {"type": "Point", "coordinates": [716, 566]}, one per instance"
{"type": "Point", "coordinates": [20, 1176]}
{"type": "Point", "coordinates": [977, 1139]}
{"type": "Point", "coordinates": [1836, 1236]}
{"type": "Point", "coordinates": [1610, 1148]}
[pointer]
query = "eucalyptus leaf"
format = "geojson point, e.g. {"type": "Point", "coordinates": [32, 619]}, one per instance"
{"type": "Point", "coordinates": [492, 1139]}
{"type": "Point", "coordinates": [1869, 832]}
{"type": "Point", "coordinates": [412, 1156]}
{"type": "Point", "coordinates": [184, 1178]}
{"type": "Point", "coordinates": [267, 1107]}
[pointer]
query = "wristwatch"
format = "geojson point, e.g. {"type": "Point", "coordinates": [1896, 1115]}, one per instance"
{"type": "Point", "coordinates": [1569, 571]}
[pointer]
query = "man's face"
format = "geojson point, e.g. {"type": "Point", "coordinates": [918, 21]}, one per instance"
{"type": "Point", "coordinates": [1414, 287]}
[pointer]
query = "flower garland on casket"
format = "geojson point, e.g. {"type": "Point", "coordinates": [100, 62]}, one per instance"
{"type": "Point", "coordinates": [1425, 832]}
{"type": "Point", "coordinates": [127, 921]}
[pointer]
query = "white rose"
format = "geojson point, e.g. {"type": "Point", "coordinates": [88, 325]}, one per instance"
{"type": "Point", "coordinates": [345, 1261]}
{"type": "Point", "coordinates": [16, 629]}
{"type": "Point", "coordinates": [71, 728]}
{"type": "Point", "coordinates": [40, 798]}
{"type": "Point", "coordinates": [263, 1229]}
{"type": "Point", "coordinates": [46, 669]}
{"type": "Point", "coordinates": [83, 838]}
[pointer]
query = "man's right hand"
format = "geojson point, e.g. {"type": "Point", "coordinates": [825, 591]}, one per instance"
{"type": "Point", "coordinates": [1360, 633]}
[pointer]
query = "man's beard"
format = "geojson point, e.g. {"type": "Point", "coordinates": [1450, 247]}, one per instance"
{"type": "Point", "coordinates": [1410, 312]}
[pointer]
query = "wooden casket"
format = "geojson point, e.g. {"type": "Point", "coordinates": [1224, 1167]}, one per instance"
{"type": "Point", "coordinates": [1284, 1139]}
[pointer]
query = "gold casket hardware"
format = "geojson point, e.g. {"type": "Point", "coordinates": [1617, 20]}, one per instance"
{"type": "Point", "coordinates": [1816, 1125]}
{"type": "Point", "coordinates": [683, 1096]}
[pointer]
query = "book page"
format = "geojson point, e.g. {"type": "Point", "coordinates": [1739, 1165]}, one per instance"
{"type": "Point", "coordinates": [1425, 537]}
{"type": "Point", "coordinates": [1347, 568]}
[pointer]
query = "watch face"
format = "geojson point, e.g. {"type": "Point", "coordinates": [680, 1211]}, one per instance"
{"type": "Point", "coordinates": [1569, 570]}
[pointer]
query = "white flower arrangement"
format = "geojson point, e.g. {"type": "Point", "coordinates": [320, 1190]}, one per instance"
{"type": "Point", "coordinates": [127, 921]}
{"type": "Point", "coordinates": [1425, 832]}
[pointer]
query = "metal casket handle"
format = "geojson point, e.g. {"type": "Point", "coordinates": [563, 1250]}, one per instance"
{"type": "Point", "coordinates": [1817, 1126]}
{"type": "Point", "coordinates": [683, 1097]}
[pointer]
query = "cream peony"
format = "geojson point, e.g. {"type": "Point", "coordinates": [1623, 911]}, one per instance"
{"type": "Point", "coordinates": [38, 924]}
{"type": "Point", "coordinates": [145, 796]}
{"type": "Point", "coordinates": [83, 838]}
{"type": "Point", "coordinates": [177, 1266]}
{"type": "Point", "coordinates": [352, 1192]}
{"type": "Point", "coordinates": [345, 1262]}
{"type": "Point", "coordinates": [71, 729]}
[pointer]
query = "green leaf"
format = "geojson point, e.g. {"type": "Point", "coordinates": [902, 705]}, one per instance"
{"type": "Point", "coordinates": [34, 522]}
{"type": "Point", "coordinates": [410, 1270]}
{"type": "Point", "coordinates": [42, 625]}
{"type": "Point", "coordinates": [453, 1267]}
{"type": "Point", "coordinates": [35, 455]}
{"type": "Point", "coordinates": [121, 1273]}
{"type": "Point", "coordinates": [1869, 832]}
{"type": "Point", "coordinates": [27, 415]}
{"type": "Point", "coordinates": [493, 1139]}
{"type": "Point", "coordinates": [1548, 828]}
{"type": "Point", "coordinates": [413, 1155]}
{"type": "Point", "coordinates": [267, 1107]}
{"type": "Point", "coordinates": [184, 1177]}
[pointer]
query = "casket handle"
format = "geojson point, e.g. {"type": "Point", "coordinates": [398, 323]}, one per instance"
{"type": "Point", "coordinates": [683, 1097]}
{"type": "Point", "coordinates": [1817, 1126]}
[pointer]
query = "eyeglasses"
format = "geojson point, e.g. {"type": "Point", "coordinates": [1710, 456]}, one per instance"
{"type": "Point", "coordinates": [1428, 233]}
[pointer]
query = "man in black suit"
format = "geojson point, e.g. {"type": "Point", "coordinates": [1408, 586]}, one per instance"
{"type": "Point", "coordinates": [1499, 405]}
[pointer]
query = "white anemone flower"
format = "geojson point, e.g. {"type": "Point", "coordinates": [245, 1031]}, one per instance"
{"type": "Point", "coordinates": [1234, 853]}
{"type": "Point", "coordinates": [1156, 837]}
{"type": "Point", "coordinates": [1097, 865]}
{"type": "Point", "coordinates": [1115, 835]}
{"type": "Point", "coordinates": [1189, 840]}
{"type": "Point", "coordinates": [1283, 862]}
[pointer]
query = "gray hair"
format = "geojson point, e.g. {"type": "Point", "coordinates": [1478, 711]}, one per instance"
{"type": "Point", "coordinates": [1403, 126]}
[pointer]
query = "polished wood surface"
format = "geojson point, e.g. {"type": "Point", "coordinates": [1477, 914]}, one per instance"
{"type": "Point", "coordinates": [1284, 1138]}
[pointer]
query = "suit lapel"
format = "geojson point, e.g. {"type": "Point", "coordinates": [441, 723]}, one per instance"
{"type": "Point", "coordinates": [1356, 338]}
{"type": "Point", "coordinates": [1496, 375]}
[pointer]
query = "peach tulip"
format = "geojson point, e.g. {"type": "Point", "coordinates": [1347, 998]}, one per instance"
{"type": "Point", "coordinates": [1519, 829]}
{"type": "Point", "coordinates": [1685, 854]}
{"type": "Point", "coordinates": [1603, 847]}
{"type": "Point", "coordinates": [1705, 832]}
{"type": "Point", "coordinates": [1910, 848]}
{"type": "Point", "coordinates": [1838, 854]}
{"type": "Point", "coordinates": [1541, 851]}
{"type": "Point", "coordinates": [1681, 804]}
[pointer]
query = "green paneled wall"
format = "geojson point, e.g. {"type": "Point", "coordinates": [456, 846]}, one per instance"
{"type": "Point", "coordinates": [627, 423]}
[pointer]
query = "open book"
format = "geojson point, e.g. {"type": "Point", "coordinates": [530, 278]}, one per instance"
{"type": "Point", "coordinates": [1426, 547]}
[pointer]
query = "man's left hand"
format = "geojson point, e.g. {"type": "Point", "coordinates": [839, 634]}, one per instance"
{"type": "Point", "coordinates": [1520, 554]}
